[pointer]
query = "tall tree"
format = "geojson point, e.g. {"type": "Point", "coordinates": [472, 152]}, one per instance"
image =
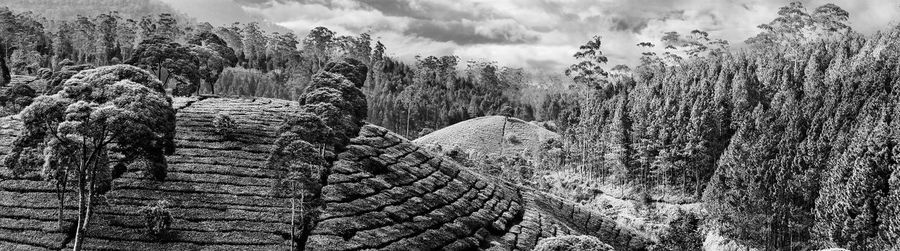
{"type": "Point", "coordinates": [168, 58]}
{"type": "Point", "coordinates": [254, 42]}
{"type": "Point", "coordinates": [589, 70]}
{"type": "Point", "coordinates": [109, 109]}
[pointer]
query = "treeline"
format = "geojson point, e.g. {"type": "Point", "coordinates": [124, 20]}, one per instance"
{"type": "Point", "coordinates": [244, 60]}
{"type": "Point", "coordinates": [791, 144]}
{"type": "Point", "coordinates": [433, 93]}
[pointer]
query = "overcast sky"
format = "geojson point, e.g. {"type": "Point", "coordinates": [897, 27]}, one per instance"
{"type": "Point", "coordinates": [536, 34]}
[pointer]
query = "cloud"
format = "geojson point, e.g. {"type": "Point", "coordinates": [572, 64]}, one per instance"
{"type": "Point", "coordinates": [541, 34]}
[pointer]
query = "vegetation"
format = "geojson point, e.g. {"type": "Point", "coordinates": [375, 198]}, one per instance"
{"type": "Point", "coordinates": [167, 58]}
{"type": "Point", "coordinates": [120, 109]}
{"type": "Point", "coordinates": [15, 98]}
{"type": "Point", "coordinates": [683, 233]}
{"type": "Point", "coordinates": [224, 125]}
{"type": "Point", "coordinates": [572, 243]}
{"type": "Point", "coordinates": [157, 219]}
{"type": "Point", "coordinates": [789, 144]}
{"type": "Point", "coordinates": [786, 141]}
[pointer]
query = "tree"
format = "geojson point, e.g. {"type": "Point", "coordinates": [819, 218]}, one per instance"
{"type": "Point", "coordinates": [588, 70]}
{"type": "Point", "coordinates": [15, 98]}
{"type": "Point", "coordinates": [119, 109]}
{"type": "Point", "coordinates": [84, 38]}
{"type": "Point", "coordinates": [233, 39]}
{"type": "Point", "coordinates": [107, 26]}
{"type": "Point", "coordinates": [331, 112]}
{"type": "Point", "coordinates": [167, 58]}
{"type": "Point", "coordinates": [281, 50]}
{"type": "Point", "coordinates": [211, 65]}
{"type": "Point", "coordinates": [23, 42]}
{"type": "Point", "coordinates": [850, 208]}
{"type": "Point", "coordinates": [4, 69]}
{"type": "Point", "coordinates": [254, 45]}
{"type": "Point", "coordinates": [126, 36]}
{"type": "Point", "coordinates": [217, 44]}
{"type": "Point", "coordinates": [794, 25]}
{"type": "Point", "coordinates": [683, 233]}
{"type": "Point", "coordinates": [164, 25]}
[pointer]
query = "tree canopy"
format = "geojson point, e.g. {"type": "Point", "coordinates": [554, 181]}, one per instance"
{"type": "Point", "coordinates": [168, 58]}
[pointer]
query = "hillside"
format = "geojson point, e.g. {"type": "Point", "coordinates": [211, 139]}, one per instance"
{"type": "Point", "coordinates": [490, 135]}
{"type": "Point", "coordinates": [384, 192]}
{"type": "Point", "coordinates": [217, 190]}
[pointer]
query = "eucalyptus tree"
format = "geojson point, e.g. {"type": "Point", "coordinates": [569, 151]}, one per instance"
{"type": "Point", "coordinates": [167, 58]}
{"type": "Point", "coordinates": [113, 109]}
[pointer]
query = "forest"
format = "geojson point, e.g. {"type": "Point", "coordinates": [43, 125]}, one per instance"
{"type": "Point", "coordinates": [789, 143]}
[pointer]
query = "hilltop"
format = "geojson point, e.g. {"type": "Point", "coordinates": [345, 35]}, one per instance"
{"type": "Point", "coordinates": [490, 135]}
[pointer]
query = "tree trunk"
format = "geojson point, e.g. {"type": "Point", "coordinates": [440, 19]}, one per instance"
{"type": "Point", "coordinates": [503, 135]}
{"type": "Point", "coordinates": [82, 229]}
{"type": "Point", "coordinates": [61, 197]}
{"type": "Point", "coordinates": [293, 209]}
{"type": "Point", "coordinates": [79, 225]}
{"type": "Point", "coordinates": [408, 110]}
{"type": "Point", "coordinates": [4, 70]}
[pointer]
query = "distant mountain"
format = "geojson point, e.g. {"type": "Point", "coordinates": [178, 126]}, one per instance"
{"type": "Point", "coordinates": [184, 11]}
{"type": "Point", "coordinates": [70, 9]}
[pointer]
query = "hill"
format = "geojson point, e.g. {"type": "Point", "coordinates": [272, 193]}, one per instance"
{"type": "Point", "coordinates": [383, 192]}
{"type": "Point", "coordinates": [490, 135]}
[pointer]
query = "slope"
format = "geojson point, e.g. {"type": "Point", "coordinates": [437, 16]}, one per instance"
{"type": "Point", "coordinates": [490, 135]}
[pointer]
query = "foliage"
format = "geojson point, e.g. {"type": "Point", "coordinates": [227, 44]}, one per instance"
{"type": "Point", "coordinates": [572, 243]}
{"type": "Point", "coordinates": [331, 112]}
{"type": "Point", "coordinates": [167, 58]}
{"type": "Point", "coordinates": [224, 125]}
{"type": "Point", "coordinates": [211, 64]}
{"type": "Point", "coordinates": [794, 25]}
{"type": "Point", "coordinates": [512, 139]}
{"type": "Point", "coordinates": [113, 109]}
{"type": "Point", "coordinates": [23, 44]}
{"type": "Point", "coordinates": [425, 131]}
{"type": "Point", "coordinates": [157, 219]}
{"type": "Point", "coordinates": [432, 94]}
{"type": "Point", "coordinates": [15, 98]}
{"type": "Point", "coordinates": [254, 83]}
{"type": "Point", "coordinates": [683, 233]}
{"type": "Point", "coordinates": [589, 70]}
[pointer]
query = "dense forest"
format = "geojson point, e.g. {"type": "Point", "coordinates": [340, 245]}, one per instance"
{"type": "Point", "coordinates": [790, 142]}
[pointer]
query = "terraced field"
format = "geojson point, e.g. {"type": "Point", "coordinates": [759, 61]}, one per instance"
{"type": "Point", "coordinates": [218, 190]}
{"type": "Point", "coordinates": [386, 193]}
{"type": "Point", "coordinates": [383, 193]}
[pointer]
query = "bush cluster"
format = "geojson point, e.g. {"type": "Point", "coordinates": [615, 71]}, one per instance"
{"type": "Point", "coordinates": [157, 219]}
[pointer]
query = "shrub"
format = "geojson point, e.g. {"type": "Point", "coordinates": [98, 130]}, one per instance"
{"type": "Point", "coordinates": [14, 99]}
{"type": "Point", "coordinates": [644, 200]}
{"type": "Point", "coordinates": [157, 219]}
{"type": "Point", "coordinates": [512, 139]}
{"type": "Point", "coordinates": [44, 73]}
{"type": "Point", "coordinates": [21, 162]}
{"type": "Point", "coordinates": [224, 125]}
{"type": "Point", "coordinates": [572, 243]}
{"type": "Point", "coordinates": [683, 233]}
{"type": "Point", "coordinates": [425, 131]}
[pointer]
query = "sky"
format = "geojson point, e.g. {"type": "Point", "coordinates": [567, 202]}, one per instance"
{"type": "Point", "coordinates": [533, 34]}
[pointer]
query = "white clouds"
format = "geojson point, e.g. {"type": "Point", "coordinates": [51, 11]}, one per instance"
{"type": "Point", "coordinates": [535, 33]}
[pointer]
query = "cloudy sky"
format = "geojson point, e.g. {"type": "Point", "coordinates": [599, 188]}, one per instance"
{"type": "Point", "coordinates": [536, 34]}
